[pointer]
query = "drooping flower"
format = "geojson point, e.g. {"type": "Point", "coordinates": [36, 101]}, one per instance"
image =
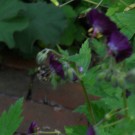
{"type": "Point", "coordinates": [56, 66]}
{"type": "Point", "coordinates": [100, 23]}
{"type": "Point", "coordinates": [33, 128]}
{"type": "Point", "coordinates": [91, 130]}
{"type": "Point", "coordinates": [119, 46]}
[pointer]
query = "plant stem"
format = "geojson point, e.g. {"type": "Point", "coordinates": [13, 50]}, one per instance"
{"type": "Point", "coordinates": [123, 2]}
{"type": "Point", "coordinates": [125, 103]}
{"type": "Point", "coordinates": [43, 132]}
{"type": "Point", "coordinates": [89, 105]}
{"type": "Point", "coordinates": [112, 124]}
{"type": "Point", "coordinates": [99, 4]}
{"type": "Point", "coordinates": [95, 3]}
{"type": "Point", "coordinates": [66, 3]}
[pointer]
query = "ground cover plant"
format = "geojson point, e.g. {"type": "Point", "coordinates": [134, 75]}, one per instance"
{"type": "Point", "coordinates": [91, 43]}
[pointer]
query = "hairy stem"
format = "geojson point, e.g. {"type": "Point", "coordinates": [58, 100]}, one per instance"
{"type": "Point", "coordinates": [89, 105]}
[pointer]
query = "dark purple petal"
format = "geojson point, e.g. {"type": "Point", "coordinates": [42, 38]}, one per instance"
{"type": "Point", "coordinates": [100, 23]}
{"type": "Point", "coordinates": [91, 131]}
{"type": "Point", "coordinates": [32, 128]}
{"type": "Point", "coordinates": [128, 93]}
{"type": "Point", "coordinates": [119, 46]}
{"type": "Point", "coordinates": [56, 66]}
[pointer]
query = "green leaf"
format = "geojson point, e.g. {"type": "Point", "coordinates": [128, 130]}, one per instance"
{"type": "Point", "coordinates": [125, 22]}
{"type": "Point", "coordinates": [11, 119]}
{"type": "Point", "coordinates": [74, 31]}
{"type": "Point", "coordinates": [130, 62]}
{"type": "Point", "coordinates": [90, 81]}
{"type": "Point", "coordinates": [83, 58]}
{"type": "Point", "coordinates": [9, 27]}
{"type": "Point", "coordinates": [11, 21]}
{"type": "Point", "coordinates": [76, 130]}
{"type": "Point", "coordinates": [9, 8]}
{"type": "Point", "coordinates": [99, 47]}
{"type": "Point", "coordinates": [103, 131]}
{"type": "Point", "coordinates": [47, 23]}
{"type": "Point", "coordinates": [63, 52]}
{"type": "Point", "coordinates": [98, 109]}
{"type": "Point", "coordinates": [69, 12]}
{"type": "Point", "coordinates": [126, 127]}
{"type": "Point", "coordinates": [69, 34]}
{"type": "Point", "coordinates": [131, 108]}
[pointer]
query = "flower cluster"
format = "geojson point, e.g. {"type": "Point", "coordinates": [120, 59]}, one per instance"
{"type": "Point", "coordinates": [117, 44]}
{"type": "Point", "coordinates": [50, 64]}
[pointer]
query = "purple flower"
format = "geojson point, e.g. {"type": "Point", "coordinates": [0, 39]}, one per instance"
{"type": "Point", "coordinates": [56, 66]}
{"type": "Point", "coordinates": [91, 131]}
{"type": "Point", "coordinates": [33, 128]}
{"type": "Point", "coordinates": [119, 46]}
{"type": "Point", "coordinates": [100, 23]}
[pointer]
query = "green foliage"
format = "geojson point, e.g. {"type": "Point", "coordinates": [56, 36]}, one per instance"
{"type": "Point", "coordinates": [131, 101]}
{"type": "Point", "coordinates": [76, 130]}
{"type": "Point", "coordinates": [83, 58]}
{"type": "Point", "coordinates": [99, 110]}
{"type": "Point", "coordinates": [130, 62]}
{"type": "Point", "coordinates": [90, 81]}
{"type": "Point", "coordinates": [125, 23]}
{"type": "Point", "coordinates": [22, 24]}
{"type": "Point", "coordinates": [11, 119]}
{"type": "Point", "coordinates": [74, 30]}
{"type": "Point", "coordinates": [98, 47]}
{"type": "Point", "coordinates": [41, 27]}
{"type": "Point", "coordinates": [125, 127]}
{"type": "Point", "coordinates": [9, 9]}
{"type": "Point", "coordinates": [11, 21]}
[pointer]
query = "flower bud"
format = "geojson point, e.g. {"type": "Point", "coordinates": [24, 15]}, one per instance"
{"type": "Point", "coordinates": [108, 116]}
{"type": "Point", "coordinates": [42, 56]}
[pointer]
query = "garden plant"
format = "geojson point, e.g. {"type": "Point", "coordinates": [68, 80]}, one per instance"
{"type": "Point", "coordinates": [82, 41]}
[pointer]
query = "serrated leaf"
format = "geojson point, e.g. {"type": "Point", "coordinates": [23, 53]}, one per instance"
{"type": "Point", "coordinates": [83, 58]}
{"type": "Point", "coordinates": [47, 23]}
{"type": "Point", "coordinates": [11, 119]}
{"type": "Point", "coordinates": [125, 23]}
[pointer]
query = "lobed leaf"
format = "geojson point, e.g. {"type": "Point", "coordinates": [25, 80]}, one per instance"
{"type": "Point", "coordinates": [11, 119]}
